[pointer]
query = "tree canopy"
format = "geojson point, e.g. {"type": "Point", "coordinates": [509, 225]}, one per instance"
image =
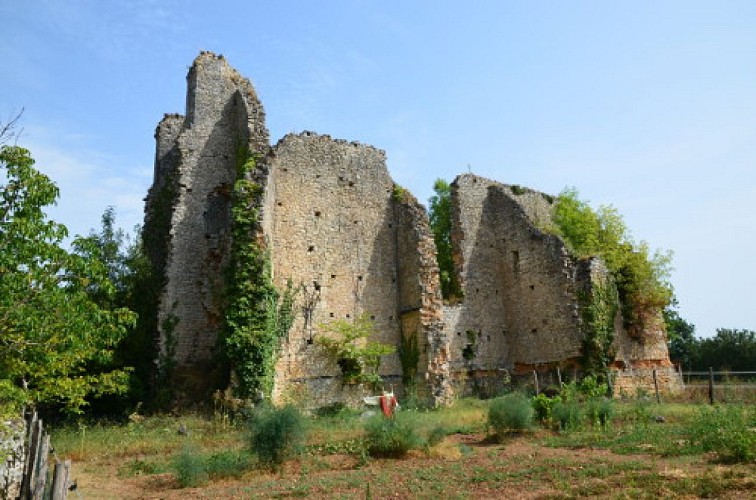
{"type": "Point", "coordinates": [56, 341]}
{"type": "Point", "coordinates": [641, 277]}
{"type": "Point", "coordinates": [440, 215]}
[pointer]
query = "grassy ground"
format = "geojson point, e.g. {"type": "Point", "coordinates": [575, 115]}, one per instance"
{"type": "Point", "coordinates": [636, 456]}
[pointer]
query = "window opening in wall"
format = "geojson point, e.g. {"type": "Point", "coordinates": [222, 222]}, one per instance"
{"type": "Point", "coordinates": [516, 261]}
{"type": "Point", "coordinates": [488, 338]}
{"type": "Point", "coordinates": [331, 314]}
{"type": "Point", "coordinates": [359, 278]}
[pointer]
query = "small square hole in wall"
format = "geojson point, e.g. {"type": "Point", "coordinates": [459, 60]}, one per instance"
{"type": "Point", "coordinates": [359, 278]}
{"type": "Point", "coordinates": [331, 315]}
{"type": "Point", "coordinates": [390, 225]}
{"type": "Point", "coordinates": [372, 317]}
{"type": "Point", "coordinates": [534, 330]}
{"type": "Point", "coordinates": [279, 204]}
{"type": "Point", "coordinates": [488, 338]}
{"type": "Point", "coordinates": [309, 341]}
{"type": "Point", "coordinates": [532, 287]}
{"type": "Point", "coordinates": [351, 184]}
{"type": "Point", "coordinates": [348, 315]}
{"type": "Point", "coordinates": [459, 334]}
{"type": "Point", "coordinates": [317, 176]}
{"type": "Point", "coordinates": [317, 213]}
{"type": "Point", "coordinates": [311, 248]}
{"type": "Point", "coordinates": [391, 318]}
{"type": "Point", "coordinates": [333, 276]}
{"type": "Point", "coordinates": [285, 169]}
{"type": "Point", "coordinates": [393, 280]}
{"type": "Point", "coordinates": [316, 285]}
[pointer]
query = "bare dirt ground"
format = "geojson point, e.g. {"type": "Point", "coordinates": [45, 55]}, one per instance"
{"type": "Point", "coordinates": [463, 466]}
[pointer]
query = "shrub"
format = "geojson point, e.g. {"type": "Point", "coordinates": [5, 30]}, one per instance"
{"type": "Point", "coordinates": [600, 411]}
{"type": "Point", "coordinates": [569, 415]}
{"type": "Point", "coordinates": [543, 406]}
{"type": "Point", "coordinates": [391, 437]}
{"type": "Point", "coordinates": [227, 464]}
{"type": "Point", "coordinates": [189, 467]}
{"type": "Point", "coordinates": [276, 434]}
{"type": "Point", "coordinates": [727, 431]}
{"type": "Point", "coordinates": [510, 413]}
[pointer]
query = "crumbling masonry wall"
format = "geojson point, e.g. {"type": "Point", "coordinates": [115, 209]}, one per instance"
{"type": "Point", "coordinates": [519, 308]}
{"type": "Point", "coordinates": [335, 225]}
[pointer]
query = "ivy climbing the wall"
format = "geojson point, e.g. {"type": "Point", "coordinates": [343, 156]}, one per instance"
{"type": "Point", "coordinates": [598, 308]}
{"type": "Point", "coordinates": [257, 315]}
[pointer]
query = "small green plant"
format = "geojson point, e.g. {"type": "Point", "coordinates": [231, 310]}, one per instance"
{"type": "Point", "coordinates": [518, 190]}
{"type": "Point", "coordinates": [568, 415]}
{"type": "Point", "coordinates": [391, 437]}
{"type": "Point", "coordinates": [510, 414]}
{"type": "Point", "coordinates": [436, 436]}
{"type": "Point", "coordinates": [276, 434]}
{"type": "Point", "coordinates": [189, 467]}
{"type": "Point", "coordinates": [599, 411]}
{"type": "Point", "coordinates": [728, 431]}
{"type": "Point", "coordinates": [227, 464]}
{"type": "Point", "coordinates": [543, 406]}
{"type": "Point", "coordinates": [358, 358]}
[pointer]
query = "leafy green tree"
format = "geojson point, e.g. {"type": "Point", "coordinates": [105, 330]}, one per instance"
{"type": "Point", "coordinates": [56, 342]}
{"type": "Point", "coordinates": [682, 343]}
{"type": "Point", "coordinates": [729, 349]}
{"type": "Point", "coordinates": [641, 277]}
{"type": "Point", "coordinates": [136, 288]}
{"type": "Point", "coordinates": [441, 223]}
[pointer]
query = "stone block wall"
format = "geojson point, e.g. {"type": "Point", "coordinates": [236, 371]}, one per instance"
{"type": "Point", "coordinates": [195, 171]}
{"type": "Point", "coordinates": [333, 234]}
{"type": "Point", "coordinates": [520, 298]}
{"type": "Point", "coordinates": [353, 243]}
{"type": "Point", "coordinates": [12, 456]}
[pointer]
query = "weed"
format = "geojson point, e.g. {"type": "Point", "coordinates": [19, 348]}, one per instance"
{"type": "Point", "coordinates": [189, 467]}
{"type": "Point", "coordinates": [600, 411]}
{"type": "Point", "coordinates": [569, 415]}
{"type": "Point", "coordinates": [510, 413]}
{"type": "Point", "coordinates": [727, 431]}
{"type": "Point", "coordinates": [276, 434]}
{"type": "Point", "coordinates": [391, 437]}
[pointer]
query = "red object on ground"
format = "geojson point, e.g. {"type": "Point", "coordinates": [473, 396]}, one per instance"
{"type": "Point", "coordinates": [388, 404]}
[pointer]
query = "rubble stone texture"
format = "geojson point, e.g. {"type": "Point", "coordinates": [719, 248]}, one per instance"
{"type": "Point", "coordinates": [335, 224]}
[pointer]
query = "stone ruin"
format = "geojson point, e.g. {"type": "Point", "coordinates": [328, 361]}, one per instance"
{"type": "Point", "coordinates": [335, 224]}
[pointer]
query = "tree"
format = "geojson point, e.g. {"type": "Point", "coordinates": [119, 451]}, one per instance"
{"type": "Point", "coordinates": [56, 342]}
{"type": "Point", "coordinates": [729, 349]}
{"type": "Point", "coordinates": [680, 336]}
{"type": "Point", "coordinates": [440, 216]}
{"type": "Point", "coordinates": [641, 277]}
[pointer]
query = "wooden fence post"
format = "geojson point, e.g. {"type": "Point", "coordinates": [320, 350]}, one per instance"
{"type": "Point", "coordinates": [61, 474]}
{"type": "Point", "coordinates": [711, 385]}
{"type": "Point", "coordinates": [656, 387]}
{"type": "Point", "coordinates": [535, 378]}
{"type": "Point", "coordinates": [559, 376]}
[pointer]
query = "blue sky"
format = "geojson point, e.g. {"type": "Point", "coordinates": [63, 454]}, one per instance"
{"type": "Point", "coordinates": [648, 106]}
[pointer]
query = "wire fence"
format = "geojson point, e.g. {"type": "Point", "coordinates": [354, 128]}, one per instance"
{"type": "Point", "coordinates": [720, 386]}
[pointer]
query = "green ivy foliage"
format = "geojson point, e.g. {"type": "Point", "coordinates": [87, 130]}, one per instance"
{"type": "Point", "coordinates": [598, 310]}
{"type": "Point", "coordinates": [257, 315]}
{"type": "Point", "coordinates": [641, 277]}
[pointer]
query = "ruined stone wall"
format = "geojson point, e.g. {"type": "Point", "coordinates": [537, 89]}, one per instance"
{"type": "Point", "coordinates": [12, 456]}
{"type": "Point", "coordinates": [520, 301]}
{"type": "Point", "coordinates": [195, 171]}
{"type": "Point", "coordinates": [336, 226]}
{"type": "Point", "coordinates": [332, 233]}
{"type": "Point", "coordinates": [420, 303]}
